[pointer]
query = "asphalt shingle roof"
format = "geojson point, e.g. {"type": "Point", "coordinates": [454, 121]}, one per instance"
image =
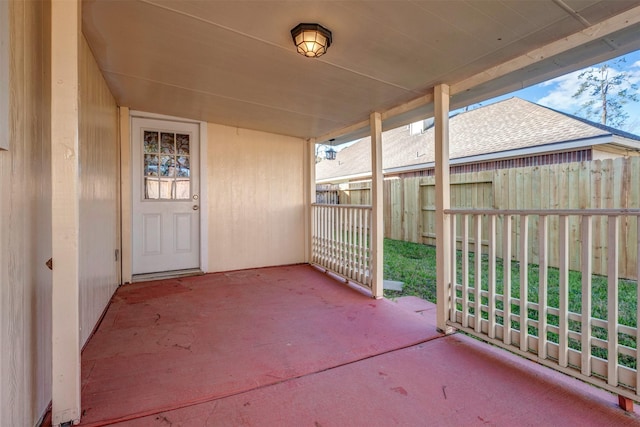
{"type": "Point", "coordinates": [506, 125]}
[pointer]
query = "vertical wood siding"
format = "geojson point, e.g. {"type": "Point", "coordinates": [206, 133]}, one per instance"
{"type": "Point", "coordinates": [25, 213]}
{"type": "Point", "coordinates": [98, 192]}
{"type": "Point", "coordinates": [25, 222]}
{"type": "Point", "coordinates": [256, 199]}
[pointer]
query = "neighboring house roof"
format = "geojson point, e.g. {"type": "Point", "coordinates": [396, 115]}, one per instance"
{"type": "Point", "coordinates": [504, 129]}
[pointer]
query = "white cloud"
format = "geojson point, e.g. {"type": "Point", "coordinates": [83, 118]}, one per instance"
{"type": "Point", "coordinates": [561, 89]}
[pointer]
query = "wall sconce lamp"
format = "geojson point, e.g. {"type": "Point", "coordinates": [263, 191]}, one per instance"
{"type": "Point", "coordinates": [311, 40]}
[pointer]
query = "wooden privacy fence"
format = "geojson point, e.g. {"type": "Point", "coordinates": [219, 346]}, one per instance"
{"type": "Point", "coordinates": [409, 205]}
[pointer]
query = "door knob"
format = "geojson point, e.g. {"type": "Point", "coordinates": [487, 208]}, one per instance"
{"type": "Point", "coordinates": [196, 207]}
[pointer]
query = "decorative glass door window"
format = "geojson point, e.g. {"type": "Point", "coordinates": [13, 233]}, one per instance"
{"type": "Point", "coordinates": [166, 166]}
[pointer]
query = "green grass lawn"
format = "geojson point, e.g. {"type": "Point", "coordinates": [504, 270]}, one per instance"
{"type": "Point", "coordinates": [414, 264]}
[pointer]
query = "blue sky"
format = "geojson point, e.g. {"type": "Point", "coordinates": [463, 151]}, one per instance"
{"type": "Point", "coordinates": [558, 93]}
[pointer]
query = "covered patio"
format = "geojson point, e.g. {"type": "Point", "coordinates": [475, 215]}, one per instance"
{"type": "Point", "coordinates": [293, 346]}
{"type": "Point", "coordinates": [161, 137]}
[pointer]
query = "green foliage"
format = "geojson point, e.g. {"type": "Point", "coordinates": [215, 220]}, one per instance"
{"type": "Point", "coordinates": [415, 265]}
{"type": "Point", "coordinates": [609, 90]}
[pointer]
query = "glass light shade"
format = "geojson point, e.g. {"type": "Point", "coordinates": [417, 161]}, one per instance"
{"type": "Point", "coordinates": [330, 154]}
{"type": "Point", "coordinates": [311, 40]}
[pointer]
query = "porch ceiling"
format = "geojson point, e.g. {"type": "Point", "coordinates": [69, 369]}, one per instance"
{"type": "Point", "coordinates": [233, 62]}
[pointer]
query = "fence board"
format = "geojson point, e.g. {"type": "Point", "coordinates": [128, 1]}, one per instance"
{"type": "Point", "coordinates": [411, 228]}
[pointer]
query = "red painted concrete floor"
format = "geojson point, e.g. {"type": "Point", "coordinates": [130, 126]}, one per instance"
{"type": "Point", "coordinates": [289, 346]}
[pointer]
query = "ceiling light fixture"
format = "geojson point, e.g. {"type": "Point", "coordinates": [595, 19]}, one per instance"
{"type": "Point", "coordinates": [311, 40]}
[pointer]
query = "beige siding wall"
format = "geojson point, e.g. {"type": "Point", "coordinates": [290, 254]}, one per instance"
{"type": "Point", "coordinates": [25, 223]}
{"type": "Point", "coordinates": [256, 199]}
{"type": "Point", "coordinates": [607, 152]}
{"type": "Point", "coordinates": [25, 213]}
{"type": "Point", "coordinates": [98, 192]}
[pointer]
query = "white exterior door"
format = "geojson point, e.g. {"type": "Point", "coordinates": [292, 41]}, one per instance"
{"type": "Point", "coordinates": [166, 196]}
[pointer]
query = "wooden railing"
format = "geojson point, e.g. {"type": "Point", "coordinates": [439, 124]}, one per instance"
{"type": "Point", "coordinates": [577, 323]}
{"type": "Point", "coordinates": [340, 241]}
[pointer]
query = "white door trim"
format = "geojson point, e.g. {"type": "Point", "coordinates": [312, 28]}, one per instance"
{"type": "Point", "coordinates": [127, 212]}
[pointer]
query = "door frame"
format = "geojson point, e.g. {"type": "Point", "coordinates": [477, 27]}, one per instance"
{"type": "Point", "coordinates": [126, 170]}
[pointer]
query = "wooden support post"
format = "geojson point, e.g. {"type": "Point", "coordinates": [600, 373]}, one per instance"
{"type": "Point", "coordinates": [125, 194]}
{"type": "Point", "coordinates": [310, 196]}
{"type": "Point", "coordinates": [443, 202]}
{"type": "Point", "coordinates": [65, 206]}
{"type": "Point", "coordinates": [377, 226]}
{"type": "Point", "coordinates": [613, 241]}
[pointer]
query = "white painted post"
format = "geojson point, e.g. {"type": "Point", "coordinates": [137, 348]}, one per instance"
{"type": "Point", "coordinates": [310, 196]}
{"type": "Point", "coordinates": [586, 269]}
{"type": "Point", "coordinates": [563, 321]}
{"type": "Point", "coordinates": [491, 279]}
{"type": "Point", "coordinates": [506, 279]}
{"type": "Point", "coordinates": [65, 32]}
{"type": "Point", "coordinates": [478, 273]}
{"type": "Point", "coordinates": [543, 284]}
{"type": "Point", "coordinates": [443, 202]}
{"type": "Point", "coordinates": [453, 275]}
{"type": "Point", "coordinates": [613, 240]}
{"type": "Point", "coordinates": [465, 269]}
{"type": "Point", "coordinates": [125, 195]}
{"type": "Point", "coordinates": [377, 221]}
{"type": "Point", "coordinates": [524, 283]}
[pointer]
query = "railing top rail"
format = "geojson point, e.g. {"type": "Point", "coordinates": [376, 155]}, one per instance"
{"type": "Point", "coordinates": [333, 205]}
{"type": "Point", "coordinates": [543, 212]}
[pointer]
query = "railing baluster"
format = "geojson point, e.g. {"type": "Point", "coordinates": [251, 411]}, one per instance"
{"type": "Point", "coordinates": [524, 282]}
{"type": "Point", "coordinates": [491, 284]}
{"type": "Point", "coordinates": [340, 238]}
{"type": "Point", "coordinates": [506, 279]}
{"type": "Point", "coordinates": [319, 216]}
{"type": "Point", "coordinates": [453, 310]}
{"type": "Point", "coordinates": [563, 305]}
{"type": "Point", "coordinates": [478, 274]}
{"type": "Point", "coordinates": [327, 241]}
{"type": "Point", "coordinates": [323, 234]}
{"type": "Point", "coordinates": [612, 299]}
{"type": "Point", "coordinates": [314, 233]}
{"type": "Point", "coordinates": [367, 258]}
{"type": "Point", "coordinates": [328, 238]}
{"type": "Point", "coordinates": [360, 252]}
{"type": "Point", "coordinates": [465, 270]}
{"type": "Point", "coordinates": [613, 375]}
{"type": "Point", "coordinates": [356, 244]}
{"type": "Point", "coordinates": [586, 269]}
{"type": "Point", "coordinates": [340, 230]}
{"type": "Point", "coordinates": [350, 242]}
{"type": "Point", "coordinates": [543, 226]}
{"type": "Point", "coordinates": [332, 239]}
